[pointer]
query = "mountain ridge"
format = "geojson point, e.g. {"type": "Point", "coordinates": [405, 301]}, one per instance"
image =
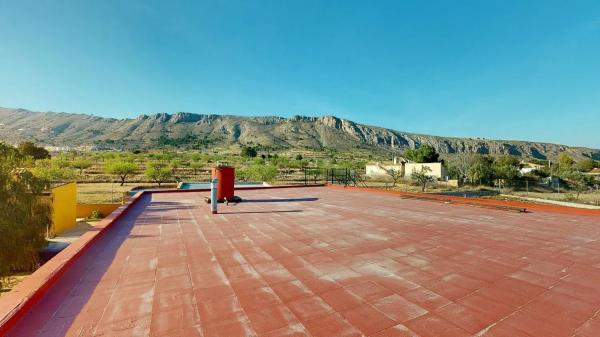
{"type": "Point", "coordinates": [151, 130]}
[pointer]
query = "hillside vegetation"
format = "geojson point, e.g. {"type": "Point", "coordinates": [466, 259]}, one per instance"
{"type": "Point", "coordinates": [198, 131]}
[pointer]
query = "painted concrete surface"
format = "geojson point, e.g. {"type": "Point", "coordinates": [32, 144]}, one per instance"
{"type": "Point", "coordinates": [328, 262]}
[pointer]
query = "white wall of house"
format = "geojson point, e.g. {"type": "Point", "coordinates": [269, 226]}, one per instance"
{"type": "Point", "coordinates": [526, 170]}
{"type": "Point", "coordinates": [437, 169]}
{"type": "Point", "coordinates": [379, 170]}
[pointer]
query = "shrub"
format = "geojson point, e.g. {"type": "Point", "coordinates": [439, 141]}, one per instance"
{"type": "Point", "coordinates": [422, 177]}
{"type": "Point", "coordinates": [24, 216]}
{"type": "Point", "coordinates": [260, 172]}
{"type": "Point", "coordinates": [36, 152]}
{"type": "Point", "coordinates": [249, 152]}
{"type": "Point", "coordinates": [52, 171]}
{"type": "Point", "coordinates": [81, 164]}
{"type": "Point", "coordinates": [96, 214]}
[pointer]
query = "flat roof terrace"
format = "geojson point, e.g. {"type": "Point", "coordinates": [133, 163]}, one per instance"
{"type": "Point", "coordinates": [322, 261]}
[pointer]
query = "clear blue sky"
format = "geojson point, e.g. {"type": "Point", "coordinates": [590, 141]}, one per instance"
{"type": "Point", "coordinates": [496, 69]}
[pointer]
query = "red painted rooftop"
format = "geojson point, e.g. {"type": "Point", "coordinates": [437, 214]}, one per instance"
{"type": "Point", "coordinates": [320, 261]}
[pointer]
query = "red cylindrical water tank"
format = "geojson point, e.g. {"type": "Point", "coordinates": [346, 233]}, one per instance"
{"type": "Point", "coordinates": [225, 186]}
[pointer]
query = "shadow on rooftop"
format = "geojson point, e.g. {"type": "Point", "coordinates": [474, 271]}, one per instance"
{"type": "Point", "coordinates": [82, 277]}
{"type": "Point", "coordinates": [262, 212]}
{"type": "Point", "coordinates": [281, 200]}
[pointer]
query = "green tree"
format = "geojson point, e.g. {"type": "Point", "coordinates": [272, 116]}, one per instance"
{"type": "Point", "coordinates": [424, 154]}
{"type": "Point", "coordinates": [249, 152]}
{"type": "Point", "coordinates": [24, 216]}
{"type": "Point", "coordinates": [52, 171]}
{"type": "Point", "coordinates": [422, 177]}
{"type": "Point", "coordinates": [122, 169]}
{"type": "Point", "coordinates": [586, 165]}
{"type": "Point", "coordinates": [158, 172]}
{"type": "Point", "coordinates": [30, 149]}
{"type": "Point", "coordinates": [62, 161]}
{"type": "Point", "coordinates": [565, 162]}
{"type": "Point", "coordinates": [460, 164]}
{"type": "Point", "coordinates": [175, 165]}
{"type": "Point", "coordinates": [261, 172]}
{"type": "Point", "coordinates": [196, 157]}
{"type": "Point", "coordinates": [196, 165]}
{"type": "Point", "coordinates": [578, 181]}
{"type": "Point", "coordinates": [81, 164]}
{"type": "Point", "coordinates": [108, 156]}
{"type": "Point", "coordinates": [506, 167]}
{"type": "Point", "coordinates": [394, 174]}
{"type": "Point", "coordinates": [480, 171]}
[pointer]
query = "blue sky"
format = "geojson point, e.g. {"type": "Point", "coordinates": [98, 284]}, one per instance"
{"type": "Point", "coordinates": [526, 70]}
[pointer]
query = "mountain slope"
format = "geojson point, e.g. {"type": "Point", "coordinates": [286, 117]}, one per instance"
{"type": "Point", "coordinates": [146, 131]}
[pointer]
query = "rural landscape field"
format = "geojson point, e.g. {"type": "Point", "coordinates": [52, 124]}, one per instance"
{"type": "Point", "coordinates": [299, 168]}
{"type": "Point", "coordinates": [113, 175]}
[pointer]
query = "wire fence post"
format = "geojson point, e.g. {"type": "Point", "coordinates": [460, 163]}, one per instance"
{"type": "Point", "coordinates": [305, 181]}
{"type": "Point", "coordinates": [346, 180]}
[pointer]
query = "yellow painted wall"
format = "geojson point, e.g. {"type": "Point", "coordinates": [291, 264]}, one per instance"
{"type": "Point", "coordinates": [64, 205]}
{"type": "Point", "coordinates": [84, 210]}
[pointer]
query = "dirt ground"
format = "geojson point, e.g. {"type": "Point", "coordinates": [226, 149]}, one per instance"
{"type": "Point", "coordinates": [590, 198]}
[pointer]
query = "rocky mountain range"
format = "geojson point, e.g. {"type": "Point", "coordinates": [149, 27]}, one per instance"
{"type": "Point", "coordinates": [191, 130]}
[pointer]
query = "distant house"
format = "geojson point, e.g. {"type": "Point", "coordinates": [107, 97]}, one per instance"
{"type": "Point", "coordinates": [379, 170]}
{"type": "Point", "coordinates": [595, 173]}
{"type": "Point", "coordinates": [530, 167]}
{"type": "Point", "coordinates": [58, 148]}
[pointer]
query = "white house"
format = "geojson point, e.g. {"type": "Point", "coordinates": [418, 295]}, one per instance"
{"type": "Point", "coordinates": [379, 170]}
{"type": "Point", "coordinates": [436, 170]}
{"type": "Point", "coordinates": [530, 167]}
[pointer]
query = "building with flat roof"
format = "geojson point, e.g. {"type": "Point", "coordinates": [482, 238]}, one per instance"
{"type": "Point", "coordinates": [318, 261]}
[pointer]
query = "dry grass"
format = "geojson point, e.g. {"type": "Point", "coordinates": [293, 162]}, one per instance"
{"type": "Point", "coordinates": [98, 193]}
{"type": "Point", "coordinates": [590, 198]}
{"type": "Point", "coordinates": [10, 282]}
{"type": "Point", "coordinates": [405, 185]}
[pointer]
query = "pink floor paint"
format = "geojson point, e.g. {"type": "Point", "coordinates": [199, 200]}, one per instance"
{"type": "Point", "coordinates": [328, 262]}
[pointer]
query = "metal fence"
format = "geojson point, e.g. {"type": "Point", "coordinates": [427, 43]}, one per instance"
{"type": "Point", "coordinates": [337, 176]}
